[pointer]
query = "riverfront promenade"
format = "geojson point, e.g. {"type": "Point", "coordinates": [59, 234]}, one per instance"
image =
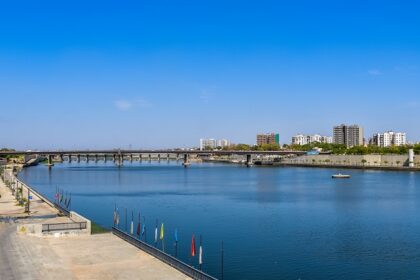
{"type": "Point", "coordinates": [102, 256]}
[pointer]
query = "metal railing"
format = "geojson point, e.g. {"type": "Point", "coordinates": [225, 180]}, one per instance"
{"type": "Point", "coordinates": [166, 258]}
{"type": "Point", "coordinates": [63, 226]}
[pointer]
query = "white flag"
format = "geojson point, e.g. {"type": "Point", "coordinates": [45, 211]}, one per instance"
{"type": "Point", "coordinates": [132, 227]}
{"type": "Point", "coordinates": [200, 256]}
{"type": "Point", "coordinates": [156, 234]}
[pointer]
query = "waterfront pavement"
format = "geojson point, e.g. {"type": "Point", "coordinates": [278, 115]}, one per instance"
{"type": "Point", "coordinates": [102, 256]}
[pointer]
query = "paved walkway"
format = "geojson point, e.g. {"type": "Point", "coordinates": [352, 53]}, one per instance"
{"type": "Point", "coordinates": [102, 256]}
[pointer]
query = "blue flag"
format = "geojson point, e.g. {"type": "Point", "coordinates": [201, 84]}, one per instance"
{"type": "Point", "coordinates": [176, 235]}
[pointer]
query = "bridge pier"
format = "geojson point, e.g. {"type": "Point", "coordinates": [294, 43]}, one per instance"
{"type": "Point", "coordinates": [131, 157]}
{"type": "Point", "coordinates": [248, 160]}
{"type": "Point", "coordinates": [186, 162]}
{"type": "Point", "coordinates": [105, 158]}
{"type": "Point", "coordinates": [159, 157]}
{"type": "Point", "coordinates": [96, 158]}
{"type": "Point", "coordinates": [150, 157]}
{"type": "Point", "coordinates": [78, 158]}
{"type": "Point", "coordinates": [140, 157]}
{"type": "Point", "coordinates": [69, 157]}
{"type": "Point", "coordinates": [50, 163]}
{"type": "Point", "coordinates": [61, 157]}
{"type": "Point", "coordinates": [87, 158]}
{"type": "Point", "coordinates": [120, 160]}
{"type": "Point", "coordinates": [167, 157]}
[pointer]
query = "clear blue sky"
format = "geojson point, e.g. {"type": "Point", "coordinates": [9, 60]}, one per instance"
{"type": "Point", "coordinates": [155, 74]}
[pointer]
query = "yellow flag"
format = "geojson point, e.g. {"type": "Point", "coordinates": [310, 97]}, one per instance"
{"type": "Point", "coordinates": [161, 232]}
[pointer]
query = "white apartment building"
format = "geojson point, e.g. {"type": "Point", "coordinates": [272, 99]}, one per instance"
{"type": "Point", "coordinates": [223, 143]}
{"type": "Point", "coordinates": [389, 138]}
{"type": "Point", "coordinates": [212, 143]}
{"type": "Point", "coordinates": [301, 139]}
{"type": "Point", "coordinates": [208, 143]}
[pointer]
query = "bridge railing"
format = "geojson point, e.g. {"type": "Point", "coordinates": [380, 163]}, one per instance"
{"type": "Point", "coordinates": [164, 257]}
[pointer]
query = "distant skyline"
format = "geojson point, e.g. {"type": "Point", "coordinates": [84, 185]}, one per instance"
{"type": "Point", "coordinates": [162, 74]}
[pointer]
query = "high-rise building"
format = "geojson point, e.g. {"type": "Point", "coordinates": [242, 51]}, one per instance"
{"type": "Point", "coordinates": [268, 138]}
{"type": "Point", "coordinates": [301, 139]}
{"type": "Point", "coordinates": [208, 144]}
{"type": "Point", "coordinates": [389, 138]}
{"type": "Point", "coordinates": [349, 135]}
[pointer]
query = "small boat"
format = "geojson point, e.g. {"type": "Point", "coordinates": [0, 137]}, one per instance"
{"type": "Point", "coordinates": [340, 176]}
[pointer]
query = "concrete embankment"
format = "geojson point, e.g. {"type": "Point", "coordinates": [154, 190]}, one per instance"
{"type": "Point", "coordinates": [103, 256]}
{"type": "Point", "coordinates": [383, 162]}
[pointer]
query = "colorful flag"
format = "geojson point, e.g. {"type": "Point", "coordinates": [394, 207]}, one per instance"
{"type": "Point", "coordinates": [132, 224]}
{"type": "Point", "coordinates": [200, 254]}
{"type": "Point", "coordinates": [65, 200]}
{"type": "Point", "coordinates": [156, 234]}
{"type": "Point", "coordinates": [193, 246]}
{"type": "Point", "coordinates": [138, 226]}
{"type": "Point", "coordinates": [143, 230]}
{"type": "Point", "coordinates": [68, 202]}
{"type": "Point", "coordinates": [161, 232]}
{"type": "Point", "coordinates": [115, 215]}
{"type": "Point", "coordinates": [118, 217]}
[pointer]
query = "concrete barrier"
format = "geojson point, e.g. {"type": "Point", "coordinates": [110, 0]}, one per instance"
{"type": "Point", "coordinates": [79, 218]}
{"type": "Point", "coordinates": [357, 161]}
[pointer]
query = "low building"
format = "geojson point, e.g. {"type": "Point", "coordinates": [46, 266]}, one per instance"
{"type": "Point", "coordinates": [389, 138]}
{"type": "Point", "coordinates": [268, 138]}
{"type": "Point", "coordinates": [301, 139]}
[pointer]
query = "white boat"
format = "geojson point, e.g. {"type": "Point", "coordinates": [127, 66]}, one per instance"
{"type": "Point", "coordinates": [340, 176]}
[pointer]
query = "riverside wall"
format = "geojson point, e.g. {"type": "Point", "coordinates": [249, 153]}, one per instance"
{"type": "Point", "coordinates": [386, 161]}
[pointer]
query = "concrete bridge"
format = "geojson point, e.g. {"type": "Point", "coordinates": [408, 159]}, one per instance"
{"type": "Point", "coordinates": [118, 156]}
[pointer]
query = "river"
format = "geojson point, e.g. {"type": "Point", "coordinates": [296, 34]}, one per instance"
{"type": "Point", "coordinates": [275, 222]}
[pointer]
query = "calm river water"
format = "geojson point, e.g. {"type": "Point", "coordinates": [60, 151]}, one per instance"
{"type": "Point", "coordinates": [276, 223]}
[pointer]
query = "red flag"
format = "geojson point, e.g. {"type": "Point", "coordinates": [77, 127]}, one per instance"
{"type": "Point", "coordinates": [193, 246]}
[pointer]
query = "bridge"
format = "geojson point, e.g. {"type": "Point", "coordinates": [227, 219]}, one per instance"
{"type": "Point", "coordinates": [118, 155]}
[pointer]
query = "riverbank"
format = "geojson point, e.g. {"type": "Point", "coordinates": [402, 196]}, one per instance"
{"type": "Point", "coordinates": [335, 166]}
{"type": "Point", "coordinates": [103, 256]}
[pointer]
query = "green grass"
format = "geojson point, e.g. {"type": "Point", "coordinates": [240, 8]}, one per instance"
{"type": "Point", "coordinates": [97, 229]}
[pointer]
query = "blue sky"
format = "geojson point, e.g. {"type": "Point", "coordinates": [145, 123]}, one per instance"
{"type": "Point", "coordinates": [156, 74]}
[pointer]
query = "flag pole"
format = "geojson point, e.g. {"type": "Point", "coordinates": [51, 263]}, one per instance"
{"type": "Point", "coordinates": [125, 214]}
{"type": "Point", "coordinates": [139, 227]}
{"type": "Point", "coordinates": [145, 229]}
{"type": "Point", "coordinates": [176, 243]}
{"type": "Point", "coordinates": [222, 262]}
